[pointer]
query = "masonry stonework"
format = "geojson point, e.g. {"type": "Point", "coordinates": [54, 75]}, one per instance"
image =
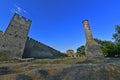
{"type": "Point", "coordinates": [70, 52]}
{"type": "Point", "coordinates": [92, 49]}
{"type": "Point", "coordinates": [1, 34]}
{"type": "Point", "coordinates": [14, 42]}
{"type": "Point", "coordinates": [15, 36]}
{"type": "Point", "coordinates": [36, 49]}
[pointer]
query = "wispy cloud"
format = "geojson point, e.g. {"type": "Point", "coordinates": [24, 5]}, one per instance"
{"type": "Point", "coordinates": [18, 9]}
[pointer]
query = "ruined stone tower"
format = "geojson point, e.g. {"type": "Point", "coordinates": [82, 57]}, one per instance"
{"type": "Point", "coordinates": [1, 34]}
{"type": "Point", "coordinates": [15, 36]}
{"type": "Point", "coordinates": [14, 42]}
{"type": "Point", "coordinates": [92, 49]}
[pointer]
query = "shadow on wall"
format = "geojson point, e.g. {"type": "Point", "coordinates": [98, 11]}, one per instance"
{"type": "Point", "coordinates": [36, 49]}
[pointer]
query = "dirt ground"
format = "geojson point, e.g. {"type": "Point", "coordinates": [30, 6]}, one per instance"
{"type": "Point", "coordinates": [60, 69]}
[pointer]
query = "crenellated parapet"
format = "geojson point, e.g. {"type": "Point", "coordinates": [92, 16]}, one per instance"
{"type": "Point", "coordinates": [21, 19]}
{"type": "Point", "coordinates": [15, 36]}
{"type": "Point", "coordinates": [37, 49]}
{"type": "Point", "coordinates": [34, 42]}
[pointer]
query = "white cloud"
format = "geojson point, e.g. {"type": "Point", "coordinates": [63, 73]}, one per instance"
{"type": "Point", "coordinates": [18, 9]}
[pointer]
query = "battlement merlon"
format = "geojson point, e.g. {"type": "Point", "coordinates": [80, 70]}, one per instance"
{"type": "Point", "coordinates": [22, 19]}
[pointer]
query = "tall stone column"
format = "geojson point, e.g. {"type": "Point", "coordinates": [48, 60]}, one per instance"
{"type": "Point", "coordinates": [92, 50]}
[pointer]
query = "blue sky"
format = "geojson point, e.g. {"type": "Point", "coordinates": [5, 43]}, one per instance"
{"type": "Point", "coordinates": [57, 23]}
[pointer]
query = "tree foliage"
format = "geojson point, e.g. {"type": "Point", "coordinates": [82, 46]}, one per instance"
{"type": "Point", "coordinates": [81, 50]}
{"type": "Point", "coordinates": [108, 47]}
{"type": "Point", "coordinates": [116, 35]}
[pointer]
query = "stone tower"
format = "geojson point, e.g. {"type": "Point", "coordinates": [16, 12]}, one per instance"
{"type": "Point", "coordinates": [92, 49]}
{"type": "Point", "coordinates": [15, 36]}
{"type": "Point", "coordinates": [1, 34]}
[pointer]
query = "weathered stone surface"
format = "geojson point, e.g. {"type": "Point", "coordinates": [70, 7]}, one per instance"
{"type": "Point", "coordinates": [14, 42]}
{"type": "Point", "coordinates": [23, 77]}
{"type": "Point", "coordinates": [5, 70]}
{"type": "Point", "coordinates": [92, 49]}
{"type": "Point", "coordinates": [100, 71]}
{"type": "Point", "coordinates": [37, 49]}
{"type": "Point", "coordinates": [70, 52]}
{"type": "Point", "coordinates": [108, 70]}
{"type": "Point", "coordinates": [1, 34]}
{"type": "Point", "coordinates": [15, 36]}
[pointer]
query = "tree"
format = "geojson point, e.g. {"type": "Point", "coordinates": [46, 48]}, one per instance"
{"type": "Point", "coordinates": [81, 50]}
{"type": "Point", "coordinates": [107, 47]}
{"type": "Point", "coordinates": [116, 35]}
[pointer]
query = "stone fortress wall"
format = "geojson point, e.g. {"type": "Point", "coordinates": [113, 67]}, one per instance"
{"type": "Point", "coordinates": [14, 42]}
{"type": "Point", "coordinates": [37, 49]}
